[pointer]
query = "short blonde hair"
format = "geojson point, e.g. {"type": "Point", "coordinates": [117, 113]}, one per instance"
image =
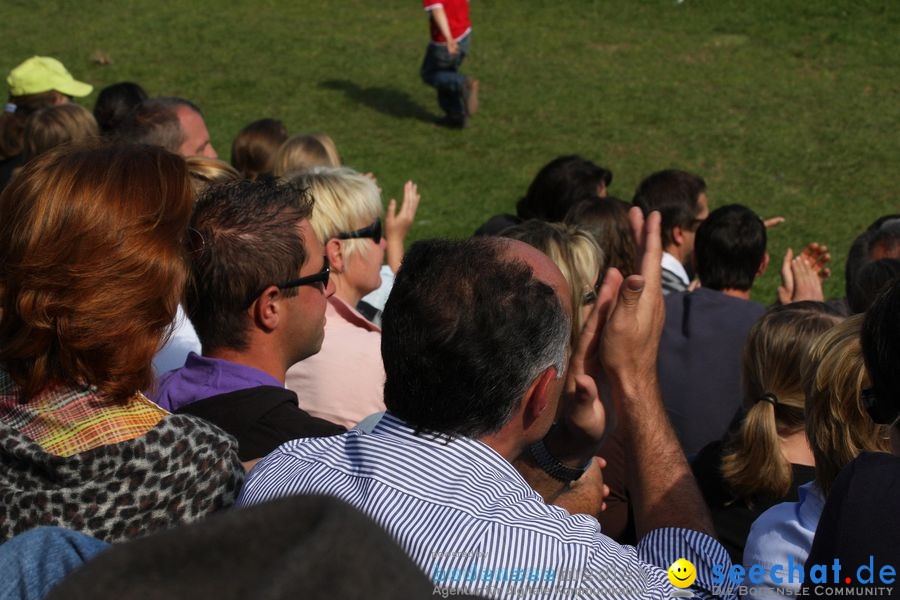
{"type": "Point", "coordinates": [206, 171]}
{"type": "Point", "coordinates": [573, 250]}
{"type": "Point", "coordinates": [56, 125]}
{"type": "Point", "coordinates": [344, 201]}
{"type": "Point", "coordinates": [300, 152]}
{"type": "Point", "coordinates": [837, 424]}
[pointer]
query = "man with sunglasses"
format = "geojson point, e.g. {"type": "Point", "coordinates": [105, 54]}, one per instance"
{"type": "Point", "coordinates": [680, 197]}
{"type": "Point", "coordinates": [476, 352]}
{"type": "Point", "coordinates": [256, 294]}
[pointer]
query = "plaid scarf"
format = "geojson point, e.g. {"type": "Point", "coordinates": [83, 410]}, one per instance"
{"type": "Point", "coordinates": [65, 421]}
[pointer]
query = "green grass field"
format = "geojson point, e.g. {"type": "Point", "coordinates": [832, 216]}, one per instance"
{"type": "Point", "coordinates": [789, 107]}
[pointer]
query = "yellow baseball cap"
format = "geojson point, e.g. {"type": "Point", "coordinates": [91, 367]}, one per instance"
{"type": "Point", "coordinates": [42, 74]}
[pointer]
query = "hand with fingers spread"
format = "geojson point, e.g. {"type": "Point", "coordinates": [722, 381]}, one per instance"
{"type": "Point", "coordinates": [398, 224]}
{"type": "Point", "coordinates": [817, 257]}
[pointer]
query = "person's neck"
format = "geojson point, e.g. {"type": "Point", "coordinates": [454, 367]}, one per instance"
{"type": "Point", "coordinates": [267, 362]}
{"type": "Point", "coordinates": [346, 293]}
{"type": "Point", "coordinates": [504, 445]}
{"type": "Point", "coordinates": [742, 294]}
{"type": "Point", "coordinates": [796, 450]}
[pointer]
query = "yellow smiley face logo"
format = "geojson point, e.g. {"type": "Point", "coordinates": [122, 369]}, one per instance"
{"type": "Point", "coordinates": [682, 573]}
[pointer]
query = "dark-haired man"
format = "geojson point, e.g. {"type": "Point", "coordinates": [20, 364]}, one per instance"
{"type": "Point", "coordinates": [700, 349]}
{"type": "Point", "coordinates": [680, 197]}
{"type": "Point", "coordinates": [174, 123]}
{"type": "Point", "coordinates": [880, 241]}
{"type": "Point", "coordinates": [256, 295]}
{"type": "Point", "coordinates": [474, 341]}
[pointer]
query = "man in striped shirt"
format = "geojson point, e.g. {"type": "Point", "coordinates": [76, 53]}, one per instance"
{"type": "Point", "coordinates": [474, 343]}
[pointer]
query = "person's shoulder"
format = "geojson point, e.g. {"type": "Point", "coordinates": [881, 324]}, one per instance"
{"type": "Point", "coordinates": [770, 528]}
{"type": "Point", "coordinates": [200, 434]}
{"type": "Point", "coordinates": [879, 461]}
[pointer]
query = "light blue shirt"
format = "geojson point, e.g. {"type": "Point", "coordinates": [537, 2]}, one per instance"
{"type": "Point", "coordinates": [469, 519]}
{"type": "Point", "coordinates": [783, 535]}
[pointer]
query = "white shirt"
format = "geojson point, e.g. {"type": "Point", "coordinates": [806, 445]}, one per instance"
{"type": "Point", "coordinates": [672, 264]}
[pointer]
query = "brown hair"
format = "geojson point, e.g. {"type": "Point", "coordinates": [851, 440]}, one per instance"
{"type": "Point", "coordinates": [92, 266]}
{"type": "Point", "coordinates": [607, 220]}
{"type": "Point", "coordinates": [254, 148]}
{"type": "Point", "coordinates": [250, 241]}
{"type": "Point", "coordinates": [298, 153]}
{"type": "Point", "coordinates": [12, 124]}
{"type": "Point", "coordinates": [777, 348]}
{"type": "Point", "coordinates": [837, 425]}
{"type": "Point", "coordinates": [56, 125]}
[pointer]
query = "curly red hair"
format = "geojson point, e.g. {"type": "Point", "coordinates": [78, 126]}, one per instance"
{"type": "Point", "coordinates": [92, 266]}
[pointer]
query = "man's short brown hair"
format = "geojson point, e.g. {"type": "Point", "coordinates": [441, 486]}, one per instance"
{"type": "Point", "coordinates": [245, 238]}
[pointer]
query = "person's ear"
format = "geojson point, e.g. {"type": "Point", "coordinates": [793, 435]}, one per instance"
{"type": "Point", "coordinates": [678, 235]}
{"type": "Point", "coordinates": [538, 397]}
{"type": "Point", "coordinates": [265, 310]}
{"type": "Point", "coordinates": [763, 265]}
{"type": "Point", "coordinates": [334, 250]}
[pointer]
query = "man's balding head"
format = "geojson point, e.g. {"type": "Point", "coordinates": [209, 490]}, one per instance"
{"type": "Point", "coordinates": [469, 325]}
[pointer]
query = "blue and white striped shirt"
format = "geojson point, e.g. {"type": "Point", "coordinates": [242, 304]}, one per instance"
{"type": "Point", "coordinates": [469, 519]}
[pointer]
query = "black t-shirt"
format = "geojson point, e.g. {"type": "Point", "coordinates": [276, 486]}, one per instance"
{"type": "Point", "coordinates": [261, 418]}
{"type": "Point", "coordinates": [732, 516]}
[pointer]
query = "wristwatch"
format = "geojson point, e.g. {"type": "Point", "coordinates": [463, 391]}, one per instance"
{"type": "Point", "coordinates": [553, 467]}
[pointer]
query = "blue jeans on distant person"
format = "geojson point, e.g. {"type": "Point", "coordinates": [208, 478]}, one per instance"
{"type": "Point", "coordinates": [440, 69]}
{"type": "Point", "coordinates": [32, 563]}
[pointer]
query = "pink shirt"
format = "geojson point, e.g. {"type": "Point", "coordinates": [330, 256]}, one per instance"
{"type": "Point", "coordinates": [344, 382]}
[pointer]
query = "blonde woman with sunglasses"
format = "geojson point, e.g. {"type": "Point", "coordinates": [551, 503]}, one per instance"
{"type": "Point", "coordinates": [344, 382]}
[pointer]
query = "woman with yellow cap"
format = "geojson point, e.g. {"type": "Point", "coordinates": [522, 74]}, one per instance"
{"type": "Point", "coordinates": [38, 82]}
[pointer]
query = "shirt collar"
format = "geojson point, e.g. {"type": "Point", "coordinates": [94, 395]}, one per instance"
{"type": "Point", "coordinates": [351, 315]}
{"type": "Point", "coordinates": [475, 452]}
{"type": "Point", "coordinates": [235, 374]}
{"type": "Point", "coordinates": [811, 504]}
{"type": "Point", "coordinates": [672, 264]}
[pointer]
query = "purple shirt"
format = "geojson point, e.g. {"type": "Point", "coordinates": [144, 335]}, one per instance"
{"type": "Point", "coordinates": [202, 377]}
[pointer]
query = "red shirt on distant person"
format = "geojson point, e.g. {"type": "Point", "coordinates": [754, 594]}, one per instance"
{"type": "Point", "coordinates": [457, 12]}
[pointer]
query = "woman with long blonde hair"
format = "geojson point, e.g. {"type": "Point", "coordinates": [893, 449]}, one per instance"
{"type": "Point", "coordinates": [838, 429]}
{"type": "Point", "coordinates": [764, 459]}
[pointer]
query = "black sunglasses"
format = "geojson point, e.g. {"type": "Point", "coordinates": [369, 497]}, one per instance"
{"type": "Point", "coordinates": [372, 231]}
{"type": "Point", "coordinates": [320, 277]}
{"type": "Point", "coordinates": [591, 295]}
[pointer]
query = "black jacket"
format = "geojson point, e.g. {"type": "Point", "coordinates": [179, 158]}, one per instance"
{"type": "Point", "coordinates": [261, 418]}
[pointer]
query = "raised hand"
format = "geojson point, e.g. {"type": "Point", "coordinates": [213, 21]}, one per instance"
{"type": "Point", "coordinates": [398, 224]}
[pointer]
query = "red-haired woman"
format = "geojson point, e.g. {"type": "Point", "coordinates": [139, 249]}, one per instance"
{"type": "Point", "coordinates": [92, 265]}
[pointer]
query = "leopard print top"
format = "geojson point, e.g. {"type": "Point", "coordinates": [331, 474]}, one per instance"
{"type": "Point", "coordinates": [177, 472]}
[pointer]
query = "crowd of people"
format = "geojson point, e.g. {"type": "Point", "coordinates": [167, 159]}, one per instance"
{"type": "Point", "coordinates": [236, 380]}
